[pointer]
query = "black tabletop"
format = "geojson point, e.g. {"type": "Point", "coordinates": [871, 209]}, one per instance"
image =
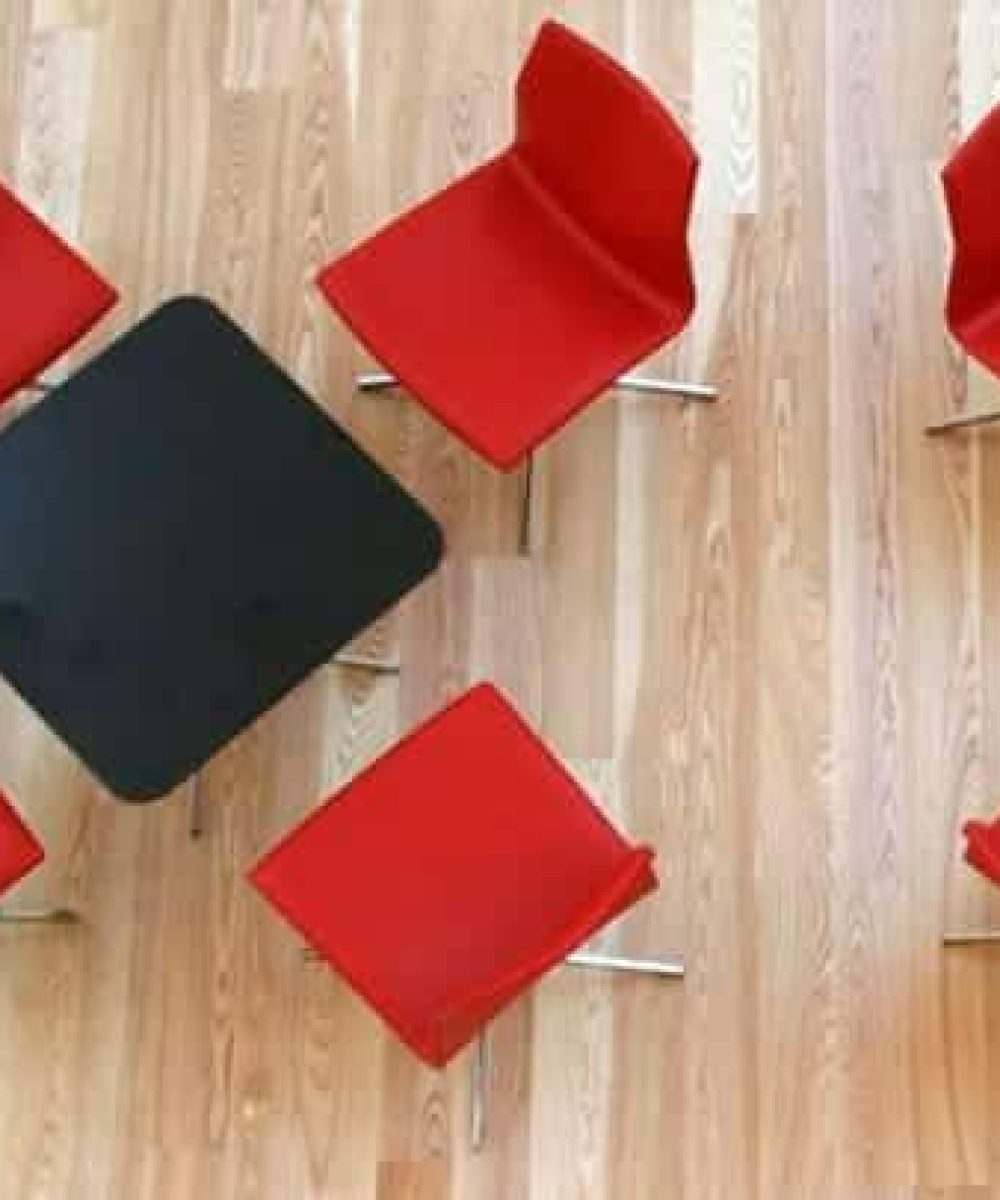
{"type": "Point", "coordinates": [183, 537]}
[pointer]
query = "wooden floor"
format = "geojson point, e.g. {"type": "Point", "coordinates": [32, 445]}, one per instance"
{"type": "Point", "coordinates": [767, 633]}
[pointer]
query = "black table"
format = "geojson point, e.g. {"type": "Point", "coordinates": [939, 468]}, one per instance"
{"type": "Point", "coordinates": [184, 536]}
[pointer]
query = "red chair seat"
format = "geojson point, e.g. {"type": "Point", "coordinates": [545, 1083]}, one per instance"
{"type": "Point", "coordinates": [513, 327]}
{"type": "Point", "coordinates": [20, 850]}
{"type": "Point", "coordinates": [982, 847]}
{"type": "Point", "coordinates": [49, 296]}
{"type": "Point", "coordinates": [970, 187]}
{"type": "Point", "coordinates": [511, 299]}
{"type": "Point", "coordinates": [453, 873]}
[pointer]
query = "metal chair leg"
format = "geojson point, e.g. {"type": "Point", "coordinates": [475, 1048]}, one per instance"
{"type": "Point", "coordinates": [524, 532]}
{"type": "Point", "coordinates": [368, 662]}
{"type": "Point", "coordinates": [381, 381]}
{"type": "Point", "coordinates": [666, 968]}
{"type": "Point", "coordinates": [375, 381]}
{"type": "Point", "coordinates": [668, 387]}
{"type": "Point", "coordinates": [196, 814]}
{"type": "Point", "coordinates": [39, 916]}
{"type": "Point", "coordinates": [971, 938]}
{"type": "Point", "coordinates": [480, 1078]}
{"type": "Point", "coordinates": [969, 421]}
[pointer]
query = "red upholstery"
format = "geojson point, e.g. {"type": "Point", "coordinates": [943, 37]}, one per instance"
{"type": "Point", "coordinates": [972, 189]}
{"type": "Point", "coordinates": [982, 847]}
{"type": "Point", "coordinates": [49, 297]}
{"type": "Point", "coordinates": [20, 851]}
{"type": "Point", "coordinates": [453, 872]}
{"type": "Point", "coordinates": [515, 296]}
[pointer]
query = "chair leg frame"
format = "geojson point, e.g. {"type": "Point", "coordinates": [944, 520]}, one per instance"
{"type": "Point", "coordinates": [382, 381]}
{"type": "Point", "coordinates": [682, 388]}
{"type": "Point", "coordinates": [969, 421]}
{"type": "Point", "coordinates": [480, 1080]}
{"type": "Point", "coordinates": [671, 967]}
{"type": "Point", "coordinates": [527, 506]}
{"type": "Point", "coordinates": [635, 383]}
{"type": "Point", "coordinates": [972, 937]}
{"type": "Point", "coordinates": [39, 916]}
{"type": "Point", "coordinates": [196, 812]}
{"type": "Point", "coordinates": [367, 662]}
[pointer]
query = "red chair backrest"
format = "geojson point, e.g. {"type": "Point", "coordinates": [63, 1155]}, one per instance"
{"type": "Point", "coordinates": [604, 147]}
{"type": "Point", "coordinates": [982, 847]}
{"type": "Point", "coordinates": [50, 296]}
{"type": "Point", "coordinates": [20, 850]}
{"type": "Point", "coordinates": [972, 189]}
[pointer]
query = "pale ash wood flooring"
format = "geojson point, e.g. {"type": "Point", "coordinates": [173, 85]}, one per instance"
{"type": "Point", "coordinates": [767, 634]}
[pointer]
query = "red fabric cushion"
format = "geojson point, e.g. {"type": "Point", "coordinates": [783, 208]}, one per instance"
{"type": "Point", "coordinates": [972, 189]}
{"type": "Point", "coordinates": [509, 300]}
{"type": "Point", "coordinates": [982, 847]}
{"type": "Point", "coordinates": [453, 872]}
{"type": "Point", "coordinates": [49, 297]}
{"type": "Point", "coordinates": [20, 850]}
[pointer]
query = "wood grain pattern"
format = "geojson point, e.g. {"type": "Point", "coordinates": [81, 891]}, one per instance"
{"type": "Point", "coordinates": [13, 61]}
{"type": "Point", "coordinates": [727, 88]}
{"type": "Point", "coordinates": [57, 94]}
{"type": "Point", "coordinates": [764, 634]}
{"type": "Point", "coordinates": [262, 42]}
{"type": "Point", "coordinates": [979, 31]}
{"type": "Point", "coordinates": [60, 14]}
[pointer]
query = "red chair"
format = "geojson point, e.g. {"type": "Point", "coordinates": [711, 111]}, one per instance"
{"type": "Point", "coordinates": [982, 852]}
{"type": "Point", "coordinates": [516, 296]}
{"type": "Point", "coordinates": [452, 874]}
{"type": "Point", "coordinates": [982, 847]}
{"type": "Point", "coordinates": [972, 307]}
{"type": "Point", "coordinates": [20, 853]}
{"type": "Point", "coordinates": [49, 297]}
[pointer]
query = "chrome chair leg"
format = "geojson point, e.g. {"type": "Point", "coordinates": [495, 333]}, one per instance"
{"type": "Point", "coordinates": [368, 662]}
{"type": "Point", "coordinates": [524, 530]}
{"type": "Point", "coordinates": [375, 381]}
{"type": "Point", "coordinates": [971, 938]}
{"type": "Point", "coordinates": [196, 813]}
{"type": "Point", "coordinates": [381, 381]}
{"type": "Point", "coordinates": [668, 387]}
{"type": "Point", "coordinates": [666, 968]}
{"type": "Point", "coordinates": [480, 1079]}
{"type": "Point", "coordinates": [968, 421]}
{"type": "Point", "coordinates": [39, 916]}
